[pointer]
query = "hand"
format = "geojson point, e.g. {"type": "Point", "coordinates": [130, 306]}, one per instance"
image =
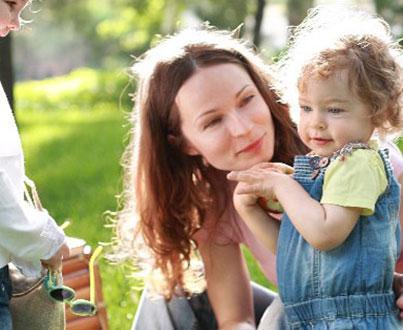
{"type": "Point", "coordinates": [259, 180]}
{"type": "Point", "coordinates": [398, 289]}
{"type": "Point", "coordinates": [54, 264]}
{"type": "Point", "coordinates": [243, 201]}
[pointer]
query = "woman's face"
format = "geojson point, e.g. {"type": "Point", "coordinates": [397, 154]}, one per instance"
{"type": "Point", "coordinates": [224, 118]}
{"type": "Point", "coordinates": [10, 11]}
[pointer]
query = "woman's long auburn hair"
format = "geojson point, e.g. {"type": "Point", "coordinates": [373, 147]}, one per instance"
{"type": "Point", "coordinates": [168, 191]}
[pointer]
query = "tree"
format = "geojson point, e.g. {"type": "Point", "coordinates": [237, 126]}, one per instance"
{"type": "Point", "coordinates": [6, 71]}
{"type": "Point", "coordinates": [297, 10]}
{"type": "Point", "coordinates": [106, 33]}
{"type": "Point", "coordinates": [258, 21]}
{"type": "Point", "coordinates": [222, 13]}
{"type": "Point", "coordinates": [391, 11]}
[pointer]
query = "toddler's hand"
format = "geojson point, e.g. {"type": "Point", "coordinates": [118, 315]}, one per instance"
{"type": "Point", "coordinates": [243, 201]}
{"type": "Point", "coordinates": [259, 182]}
{"type": "Point", "coordinates": [54, 263]}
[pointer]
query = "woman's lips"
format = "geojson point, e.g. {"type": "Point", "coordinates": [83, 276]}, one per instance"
{"type": "Point", "coordinates": [253, 146]}
{"type": "Point", "coordinates": [4, 32]}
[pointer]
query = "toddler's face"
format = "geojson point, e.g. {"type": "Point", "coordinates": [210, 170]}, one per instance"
{"type": "Point", "coordinates": [10, 11]}
{"type": "Point", "coordinates": [331, 114]}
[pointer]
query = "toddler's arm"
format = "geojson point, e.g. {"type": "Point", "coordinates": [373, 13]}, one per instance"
{"type": "Point", "coordinates": [264, 227]}
{"type": "Point", "coordinates": [323, 226]}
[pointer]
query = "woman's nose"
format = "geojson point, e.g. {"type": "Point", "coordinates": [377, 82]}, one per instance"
{"type": "Point", "coordinates": [14, 23]}
{"type": "Point", "coordinates": [239, 125]}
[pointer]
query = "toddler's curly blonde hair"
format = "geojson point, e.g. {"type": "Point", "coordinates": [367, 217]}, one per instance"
{"type": "Point", "coordinates": [334, 38]}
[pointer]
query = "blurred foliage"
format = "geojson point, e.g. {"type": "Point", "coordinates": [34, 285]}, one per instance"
{"type": "Point", "coordinates": [391, 11]}
{"type": "Point", "coordinates": [81, 89]}
{"type": "Point", "coordinates": [399, 143]}
{"type": "Point", "coordinates": [106, 33]}
{"type": "Point", "coordinates": [297, 9]}
{"type": "Point", "coordinates": [219, 13]}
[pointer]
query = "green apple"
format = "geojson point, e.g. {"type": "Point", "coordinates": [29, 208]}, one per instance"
{"type": "Point", "coordinates": [270, 205]}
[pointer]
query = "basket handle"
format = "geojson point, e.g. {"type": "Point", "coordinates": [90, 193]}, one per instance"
{"type": "Point", "coordinates": [31, 194]}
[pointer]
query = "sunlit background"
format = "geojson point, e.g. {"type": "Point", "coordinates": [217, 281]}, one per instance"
{"type": "Point", "coordinates": [72, 97]}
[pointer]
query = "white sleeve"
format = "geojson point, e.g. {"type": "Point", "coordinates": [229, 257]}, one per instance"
{"type": "Point", "coordinates": [27, 233]}
{"type": "Point", "coordinates": [13, 166]}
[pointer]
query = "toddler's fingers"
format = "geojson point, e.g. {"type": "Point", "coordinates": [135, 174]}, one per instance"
{"type": "Point", "coordinates": [232, 175]}
{"type": "Point", "coordinates": [263, 166]}
{"type": "Point", "coordinates": [249, 189]}
{"type": "Point", "coordinates": [283, 168]}
{"type": "Point", "coordinates": [244, 176]}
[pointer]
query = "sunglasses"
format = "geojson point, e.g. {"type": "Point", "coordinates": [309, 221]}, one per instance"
{"type": "Point", "coordinates": [65, 294]}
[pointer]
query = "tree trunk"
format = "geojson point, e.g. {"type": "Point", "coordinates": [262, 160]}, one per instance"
{"type": "Point", "coordinates": [6, 69]}
{"type": "Point", "coordinates": [297, 10]}
{"type": "Point", "coordinates": [258, 22]}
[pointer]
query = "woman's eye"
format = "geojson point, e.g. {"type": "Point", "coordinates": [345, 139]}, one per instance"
{"type": "Point", "coordinates": [212, 122]}
{"type": "Point", "coordinates": [11, 4]}
{"type": "Point", "coordinates": [246, 100]}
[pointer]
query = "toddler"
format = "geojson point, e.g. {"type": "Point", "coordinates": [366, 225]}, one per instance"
{"type": "Point", "coordinates": [338, 241]}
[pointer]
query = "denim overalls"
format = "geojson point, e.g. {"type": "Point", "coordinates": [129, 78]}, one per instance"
{"type": "Point", "coordinates": [349, 287]}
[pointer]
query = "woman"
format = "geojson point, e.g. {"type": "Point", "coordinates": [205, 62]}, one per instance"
{"type": "Point", "coordinates": [205, 106]}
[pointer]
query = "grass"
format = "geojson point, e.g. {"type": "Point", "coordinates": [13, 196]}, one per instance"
{"type": "Point", "coordinates": [73, 157]}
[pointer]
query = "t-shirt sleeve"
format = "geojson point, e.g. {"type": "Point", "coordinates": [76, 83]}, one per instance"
{"type": "Point", "coordinates": [355, 181]}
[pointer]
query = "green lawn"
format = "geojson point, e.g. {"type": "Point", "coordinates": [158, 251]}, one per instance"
{"type": "Point", "coordinates": [74, 158]}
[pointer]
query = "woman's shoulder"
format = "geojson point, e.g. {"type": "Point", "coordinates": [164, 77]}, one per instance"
{"type": "Point", "coordinates": [221, 229]}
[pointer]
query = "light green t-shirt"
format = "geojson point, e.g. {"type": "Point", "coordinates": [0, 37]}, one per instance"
{"type": "Point", "coordinates": [356, 181]}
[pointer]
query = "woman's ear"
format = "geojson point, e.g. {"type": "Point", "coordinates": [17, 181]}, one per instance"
{"type": "Point", "coordinates": [190, 150]}
{"type": "Point", "coordinates": [183, 144]}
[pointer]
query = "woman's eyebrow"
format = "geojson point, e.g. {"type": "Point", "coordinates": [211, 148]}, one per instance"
{"type": "Point", "coordinates": [241, 90]}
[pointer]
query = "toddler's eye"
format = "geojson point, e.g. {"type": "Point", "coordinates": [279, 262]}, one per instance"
{"type": "Point", "coordinates": [305, 108]}
{"type": "Point", "coordinates": [335, 110]}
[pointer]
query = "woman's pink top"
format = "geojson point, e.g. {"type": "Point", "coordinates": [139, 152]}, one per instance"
{"type": "Point", "coordinates": [231, 229]}
{"type": "Point", "coordinates": [397, 162]}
